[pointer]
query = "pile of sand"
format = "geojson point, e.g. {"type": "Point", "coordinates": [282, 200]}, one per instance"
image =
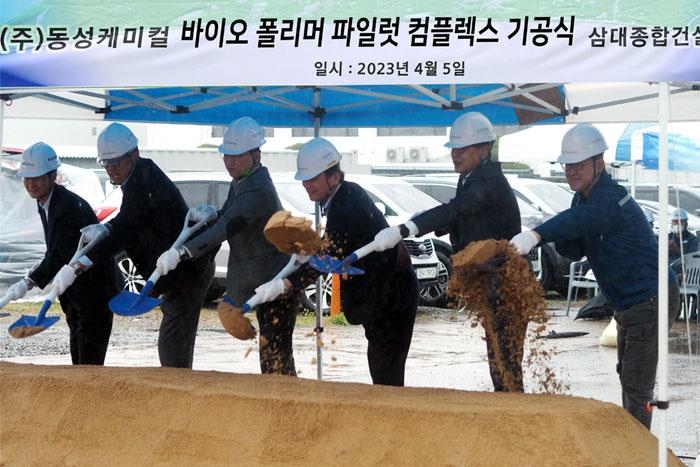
{"type": "Point", "coordinates": [143, 416]}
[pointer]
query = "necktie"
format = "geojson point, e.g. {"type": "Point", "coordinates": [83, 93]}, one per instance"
{"type": "Point", "coordinates": [42, 214]}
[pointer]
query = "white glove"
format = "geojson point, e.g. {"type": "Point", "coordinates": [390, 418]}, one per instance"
{"type": "Point", "coordinates": [64, 278]}
{"type": "Point", "coordinates": [525, 241]}
{"type": "Point", "coordinates": [300, 259]}
{"type": "Point", "coordinates": [82, 264]}
{"type": "Point", "coordinates": [269, 291]}
{"type": "Point", "coordinates": [18, 289]}
{"type": "Point", "coordinates": [412, 228]}
{"type": "Point", "coordinates": [93, 231]}
{"type": "Point", "coordinates": [387, 238]}
{"type": "Point", "coordinates": [168, 261]}
{"type": "Point", "coordinates": [203, 212]}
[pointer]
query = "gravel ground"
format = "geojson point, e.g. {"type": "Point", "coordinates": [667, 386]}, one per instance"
{"type": "Point", "coordinates": [54, 341]}
{"type": "Point", "coordinates": [142, 329]}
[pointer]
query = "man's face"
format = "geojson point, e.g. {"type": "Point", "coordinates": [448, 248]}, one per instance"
{"type": "Point", "coordinates": [39, 187]}
{"type": "Point", "coordinates": [238, 166]}
{"type": "Point", "coordinates": [319, 187]}
{"type": "Point", "coordinates": [581, 175]}
{"type": "Point", "coordinates": [118, 169]}
{"type": "Point", "coordinates": [678, 225]}
{"type": "Point", "coordinates": [468, 158]}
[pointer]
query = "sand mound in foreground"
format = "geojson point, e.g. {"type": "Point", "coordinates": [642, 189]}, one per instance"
{"type": "Point", "coordinates": [144, 416]}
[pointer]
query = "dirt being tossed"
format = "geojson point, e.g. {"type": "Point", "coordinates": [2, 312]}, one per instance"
{"type": "Point", "coordinates": [497, 286]}
{"type": "Point", "coordinates": [88, 415]}
{"type": "Point", "coordinates": [292, 234]}
{"type": "Point", "coordinates": [234, 322]}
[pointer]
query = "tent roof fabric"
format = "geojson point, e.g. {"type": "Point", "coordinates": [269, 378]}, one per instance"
{"type": "Point", "coordinates": [326, 106]}
{"type": "Point", "coordinates": [362, 106]}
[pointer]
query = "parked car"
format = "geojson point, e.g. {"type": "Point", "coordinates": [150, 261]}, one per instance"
{"type": "Point", "coordinates": [443, 187]}
{"type": "Point", "coordinates": [687, 196]}
{"type": "Point", "coordinates": [548, 197]}
{"type": "Point", "coordinates": [430, 261]}
{"type": "Point", "coordinates": [535, 203]}
{"type": "Point", "coordinates": [653, 208]}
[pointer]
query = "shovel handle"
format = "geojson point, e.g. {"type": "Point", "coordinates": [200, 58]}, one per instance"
{"type": "Point", "coordinates": [6, 299]}
{"type": "Point", "coordinates": [293, 264]}
{"type": "Point", "coordinates": [359, 253]}
{"type": "Point", "coordinates": [181, 239]}
{"type": "Point", "coordinates": [53, 293]}
{"type": "Point", "coordinates": [84, 249]}
{"type": "Point", "coordinates": [42, 312]}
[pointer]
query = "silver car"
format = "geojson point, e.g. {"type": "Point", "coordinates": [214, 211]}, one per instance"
{"type": "Point", "coordinates": [429, 256]}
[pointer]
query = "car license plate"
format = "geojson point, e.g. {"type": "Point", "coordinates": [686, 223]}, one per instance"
{"type": "Point", "coordinates": [426, 273]}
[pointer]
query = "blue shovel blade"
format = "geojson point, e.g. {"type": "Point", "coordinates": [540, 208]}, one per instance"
{"type": "Point", "coordinates": [349, 270]}
{"type": "Point", "coordinates": [27, 325]}
{"type": "Point", "coordinates": [132, 304]}
{"type": "Point", "coordinates": [324, 263]}
{"type": "Point", "coordinates": [331, 265]}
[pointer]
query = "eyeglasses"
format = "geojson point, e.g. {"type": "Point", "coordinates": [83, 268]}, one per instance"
{"type": "Point", "coordinates": [578, 166]}
{"type": "Point", "coordinates": [116, 161]}
{"type": "Point", "coordinates": [575, 167]}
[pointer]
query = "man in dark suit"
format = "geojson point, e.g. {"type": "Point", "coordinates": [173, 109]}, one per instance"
{"type": "Point", "coordinates": [150, 219]}
{"type": "Point", "coordinates": [484, 207]}
{"type": "Point", "coordinates": [83, 299]}
{"type": "Point", "coordinates": [384, 299]}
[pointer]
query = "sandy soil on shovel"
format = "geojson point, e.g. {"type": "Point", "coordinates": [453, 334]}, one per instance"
{"type": "Point", "coordinates": [64, 415]}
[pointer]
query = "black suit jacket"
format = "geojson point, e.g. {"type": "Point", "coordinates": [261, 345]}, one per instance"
{"type": "Point", "coordinates": [484, 207]}
{"type": "Point", "coordinates": [150, 219]}
{"type": "Point", "coordinates": [68, 213]}
{"type": "Point", "coordinates": [352, 221]}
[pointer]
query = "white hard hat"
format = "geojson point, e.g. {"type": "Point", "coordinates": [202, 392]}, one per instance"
{"type": "Point", "coordinates": [470, 128]}
{"type": "Point", "coordinates": [580, 143]}
{"type": "Point", "coordinates": [315, 157]}
{"type": "Point", "coordinates": [241, 136]}
{"type": "Point", "coordinates": [37, 160]}
{"type": "Point", "coordinates": [115, 141]}
{"type": "Point", "coordinates": [679, 215]}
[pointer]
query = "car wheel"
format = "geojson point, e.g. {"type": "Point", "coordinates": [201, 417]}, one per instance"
{"type": "Point", "coordinates": [133, 282]}
{"type": "Point", "coordinates": [308, 296]}
{"type": "Point", "coordinates": [435, 294]}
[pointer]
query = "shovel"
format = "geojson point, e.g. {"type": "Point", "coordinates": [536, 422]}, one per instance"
{"type": "Point", "coordinates": [132, 304]}
{"type": "Point", "coordinates": [331, 265]}
{"type": "Point", "coordinates": [29, 325]}
{"type": "Point", "coordinates": [294, 263]}
{"type": "Point", "coordinates": [232, 317]}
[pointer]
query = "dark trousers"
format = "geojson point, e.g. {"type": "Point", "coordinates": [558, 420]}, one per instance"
{"type": "Point", "coordinates": [181, 308]}
{"type": "Point", "coordinates": [89, 329]}
{"type": "Point", "coordinates": [276, 320]}
{"type": "Point", "coordinates": [637, 352]}
{"type": "Point", "coordinates": [508, 338]}
{"type": "Point", "coordinates": [389, 336]}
